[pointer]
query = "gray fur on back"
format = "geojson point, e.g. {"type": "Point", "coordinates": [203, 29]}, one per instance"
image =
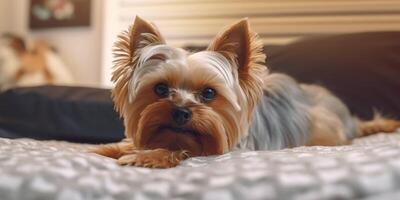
{"type": "Point", "coordinates": [282, 118]}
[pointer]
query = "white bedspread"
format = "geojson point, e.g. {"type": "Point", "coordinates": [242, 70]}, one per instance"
{"type": "Point", "coordinates": [368, 169]}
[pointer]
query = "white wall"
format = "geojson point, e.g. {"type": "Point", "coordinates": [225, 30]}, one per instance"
{"type": "Point", "coordinates": [4, 11]}
{"type": "Point", "coordinates": [79, 47]}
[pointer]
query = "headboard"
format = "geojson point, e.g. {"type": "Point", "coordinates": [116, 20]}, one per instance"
{"type": "Point", "coordinates": [195, 22]}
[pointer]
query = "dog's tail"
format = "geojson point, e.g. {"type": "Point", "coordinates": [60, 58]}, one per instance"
{"type": "Point", "coordinates": [378, 124]}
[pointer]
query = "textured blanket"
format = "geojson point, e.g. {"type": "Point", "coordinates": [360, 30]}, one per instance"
{"type": "Point", "coordinates": [368, 169]}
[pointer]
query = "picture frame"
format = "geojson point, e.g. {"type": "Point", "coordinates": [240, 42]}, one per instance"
{"type": "Point", "coordinates": [44, 14]}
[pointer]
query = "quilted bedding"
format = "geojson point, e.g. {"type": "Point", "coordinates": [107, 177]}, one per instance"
{"type": "Point", "coordinates": [368, 169]}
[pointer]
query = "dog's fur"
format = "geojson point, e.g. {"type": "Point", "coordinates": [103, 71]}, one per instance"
{"type": "Point", "coordinates": [252, 109]}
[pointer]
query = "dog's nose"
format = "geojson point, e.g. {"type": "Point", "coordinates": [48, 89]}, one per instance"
{"type": "Point", "coordinates": [181, 115]}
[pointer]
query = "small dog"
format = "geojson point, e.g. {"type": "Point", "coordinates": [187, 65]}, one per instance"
{"type": "Point", "coordinates": [176, 104]}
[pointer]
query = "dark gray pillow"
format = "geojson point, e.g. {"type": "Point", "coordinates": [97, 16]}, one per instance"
{"type": "Point", "coordinates": [76, 114]}
{"type": "Point", "coordinates": [363, 69]}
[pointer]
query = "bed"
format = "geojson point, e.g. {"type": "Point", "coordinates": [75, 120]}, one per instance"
{"type": "Point", "coordinates": [63, 122]}
{"type": "Point", "coordinates": [368, 169]}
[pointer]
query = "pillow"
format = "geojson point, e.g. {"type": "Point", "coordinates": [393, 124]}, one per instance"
{"type": "Point", "coordinates": [76, 114]}
{"type": "Point", "coordinates": [362, 69]}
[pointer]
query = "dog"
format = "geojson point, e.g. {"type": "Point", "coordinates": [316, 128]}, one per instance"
{"type": "Point", "coordinates": [177, 104]}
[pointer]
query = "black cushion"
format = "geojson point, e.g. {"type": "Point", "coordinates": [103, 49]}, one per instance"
{"type": "Point", "coordinates": [363, 69]}
{"type": "Point", "coordinates": [74, 114]}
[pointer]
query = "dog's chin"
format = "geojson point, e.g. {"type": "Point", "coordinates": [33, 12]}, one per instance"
{"type": "Point", "coordinates": [177, 138]}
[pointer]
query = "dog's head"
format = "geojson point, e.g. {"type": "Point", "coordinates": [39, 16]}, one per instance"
{"type": "Point", "coordinates": [200, 102]}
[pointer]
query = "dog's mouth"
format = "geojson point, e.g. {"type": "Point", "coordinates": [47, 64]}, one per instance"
{"type": "Point", "coordinates": [176, 138]}
{"type": "Point", "coordinates": [179, 130]}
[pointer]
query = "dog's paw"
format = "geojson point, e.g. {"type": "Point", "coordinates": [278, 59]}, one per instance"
{"type": "Point", "coordinates": [113, 150]}
{"type": "Point", "coordinates": [157, 158]}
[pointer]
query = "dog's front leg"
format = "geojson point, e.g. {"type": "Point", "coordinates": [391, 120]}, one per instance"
{"type": "Point", "coordinates": [114, 150]}
{"type": "Point", "coordinates": [155, 158]}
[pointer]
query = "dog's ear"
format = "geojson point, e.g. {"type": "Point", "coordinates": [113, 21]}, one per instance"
{"type": "Point", "coordinates": [126, 51]}
{"type": "Point", "coordinates": [243, 47]}
{"type": "Point", "coordinates": [239, 44]}
{"type": "Point", "coordinates": [143, 33]}
{"type": "Point", "coordinates": [128, 44]}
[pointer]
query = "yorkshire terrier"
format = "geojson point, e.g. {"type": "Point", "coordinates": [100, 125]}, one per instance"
{"type": "Point", "coordinates": [177, 104]}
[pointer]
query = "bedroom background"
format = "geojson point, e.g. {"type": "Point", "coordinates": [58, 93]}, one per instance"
{"type": "Point", "coordinates": [87, 50]}
{"type": "Point", "coordinates": [352, 47]}
{"type": "Point", "coordinates": [332, 43]}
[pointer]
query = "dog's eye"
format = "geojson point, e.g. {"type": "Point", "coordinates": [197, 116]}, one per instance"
{"type": "Point", "coordinates": [208, 94]}
{"type": "Point", "coordinates": [161, 90]}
